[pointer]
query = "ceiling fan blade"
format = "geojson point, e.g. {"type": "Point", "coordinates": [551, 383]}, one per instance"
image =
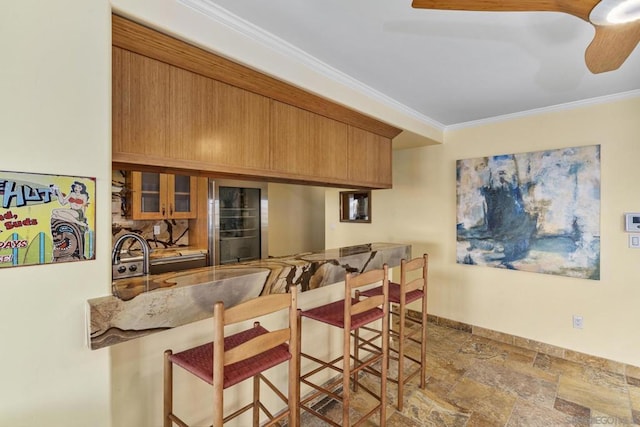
{"type": "Point", "coordinates": [611, 46]}
{"type": "Point", "coordinates": [579, 8]}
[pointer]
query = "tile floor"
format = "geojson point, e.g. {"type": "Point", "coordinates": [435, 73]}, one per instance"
{"type": "Point", "coordinates": [475, 381]}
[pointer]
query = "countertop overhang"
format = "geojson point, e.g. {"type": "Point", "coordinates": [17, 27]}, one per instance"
{"type": "Point", "coordinates": [141, 306]}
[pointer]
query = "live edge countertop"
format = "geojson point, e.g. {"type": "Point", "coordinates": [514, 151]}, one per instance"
{"type": "Point", "coordinates": [144, 305]}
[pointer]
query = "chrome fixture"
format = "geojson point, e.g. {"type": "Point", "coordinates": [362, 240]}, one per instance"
{"type": "Point", "coordinates": [132, 268]}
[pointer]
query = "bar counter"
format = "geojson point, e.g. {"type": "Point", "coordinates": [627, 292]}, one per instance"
{"type": "Point", "coordinates": [141, 306]}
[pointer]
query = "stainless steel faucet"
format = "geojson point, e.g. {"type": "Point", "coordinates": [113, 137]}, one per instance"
{"type": "Point", "coordinates": [146, 250]}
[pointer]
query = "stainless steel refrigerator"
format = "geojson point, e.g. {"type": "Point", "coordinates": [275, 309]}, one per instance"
{"type": "Point", "coordinates": [238, 221]}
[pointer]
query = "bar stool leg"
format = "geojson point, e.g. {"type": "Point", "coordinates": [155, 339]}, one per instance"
{"type": "Point", "coordinates": [168, 389]}
{"type": "Point", "coordinates": [356, 357]}
{"type": "Point", "coordinates": [401, 339]}
{"type": "Point", "coordinates": [346, 388]}
{"type": "Point", "coordinates": [298, 367]}
{"type": "Point", "coordinates": [423, 343]}
{"type": "Point", "coordinates": [256, 400]}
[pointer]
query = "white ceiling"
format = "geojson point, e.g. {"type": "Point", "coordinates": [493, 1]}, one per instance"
{"type": "Point", "coordinates": [451, 67]}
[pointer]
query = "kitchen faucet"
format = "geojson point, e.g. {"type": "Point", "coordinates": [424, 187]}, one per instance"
{"type": "Point", "coordinates": [146, 250]}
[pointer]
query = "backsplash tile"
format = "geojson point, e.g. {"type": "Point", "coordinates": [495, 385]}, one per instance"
{"type": "Point", "coordinates": [173, 233]}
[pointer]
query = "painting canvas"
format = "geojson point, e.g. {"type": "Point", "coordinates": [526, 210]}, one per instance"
{"type": "Point", "coordinates": [537, 211]}
{"type": "Point", "coordinates": [46, 218]}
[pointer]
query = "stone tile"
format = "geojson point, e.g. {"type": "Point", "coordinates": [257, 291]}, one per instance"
{"type": "Point", "coordinates": [447, 364]}
{"type": "Point", "coordinates": [607, 379]}
{"type": "Point", "coordinates": [438, 417]}
{"type": "Point", "coordinates": [559, 366]}
{"type": "Point", "coordinates": [633, 371]}
{"type": "Point", "coordinates": [490, 404]}
{"type": "Point", "coordinates": [528, 414]}
{"type": "Point", "coordinates": [493, 335]}
{"type": "Point", "coordinates": [586, 373]}
{"type": "Point", "coordinates": [634, 396]}
{"type": "Point", "coordinates": [633, 381]}
{"type": "Point", "coordinates": [595, 362]}
{"type": "Point", "coordinates": [441, 334]}
{"type": "Point", "coordinates": [525, 386]}
{"type": "Point", "coordinates": [478, 420]}
{"type": "Point", "coordinates": [444, 346]}
{"type": "Point", "coordinates": [417, 405]}
{"type": "Point", "coordinates": [480, 348]}
{"type": "Point", "coordinates": [538, 346]}
{"type": "Point", "coordinates": [572, 409]}
{"type": "Point", "coordinates": [599, 419]}
{"type": "Point", "coordinates": [633, 375]}
{"type": "Point", "coordinates": [429, 408]}
{"type": "Point", "coordinates": [399, 420]}
{"type": "Point", "coordinates": [452, 324]}
{"type": "Point", "coordinates": [515, 355]}
{"type": "Point", "coordinates": [608, 400]}
{"type": "Point", "coordinates": [443, 384]}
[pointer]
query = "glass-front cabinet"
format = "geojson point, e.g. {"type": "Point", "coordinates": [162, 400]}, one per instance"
{"type": "Point", "coordinates": [239, 224]}
{"type": "Point", "coordinates": [162, 196]}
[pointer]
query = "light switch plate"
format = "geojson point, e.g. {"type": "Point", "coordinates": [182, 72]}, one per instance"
{"type": "Point", "coordinates": [156, 230]}
{"type": "Point", "coordinates": [632, 222]}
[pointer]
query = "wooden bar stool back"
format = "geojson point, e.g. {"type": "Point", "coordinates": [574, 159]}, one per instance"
{"type": "Point", "coordinates": [229, 360]}
{"type": "Point", "coordinates": [349, 315]}
{"type": "Point", "coordinates": [401, 294]}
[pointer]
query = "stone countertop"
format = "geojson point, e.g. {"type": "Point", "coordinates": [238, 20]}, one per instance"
{"type": "Point", "coordinates": [143, 305]}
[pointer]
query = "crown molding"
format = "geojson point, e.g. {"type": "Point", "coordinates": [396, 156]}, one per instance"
{"type": "Point", "coordinates": [280, 46]}
{"type": "Point", "coordinates": [551, 109]}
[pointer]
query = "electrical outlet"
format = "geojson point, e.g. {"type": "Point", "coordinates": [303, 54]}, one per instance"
{"type": "Point", "coordinates": [156, 230]}
{"type": "Point", "coordinates": [578, 322]}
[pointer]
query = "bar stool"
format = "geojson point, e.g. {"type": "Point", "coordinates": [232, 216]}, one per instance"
{"type": "Point", "coordinates": [227, 361]}
{"type": "Point", "coordinates": [349, 315]}
{"type": "Point", "coordinates": [402, 294]}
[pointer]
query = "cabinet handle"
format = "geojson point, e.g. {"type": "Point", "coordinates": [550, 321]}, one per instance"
{"type": "Point", "coordinates": [163, 211]}
{"type": "Point", "coordinates": [170, 209]}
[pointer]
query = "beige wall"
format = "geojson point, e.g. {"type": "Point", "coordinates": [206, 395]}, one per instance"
{"type": "Point", "coordinates": [55, 82]}
{"type": "Point", "coordinates": [421, 209]}
{"type": "Point", "coordinates": [296, 219]}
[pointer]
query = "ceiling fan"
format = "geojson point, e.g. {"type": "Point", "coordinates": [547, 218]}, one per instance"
{"type": "Point", "coordinates": [617, 22]}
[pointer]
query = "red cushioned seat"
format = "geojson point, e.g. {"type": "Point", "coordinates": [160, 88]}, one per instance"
{"type": "Point", "coordinates": [333, 314]}
{"type": "Point", "coordinates": [199, 360]}
{"type": "Point", "coordinates": [394, 293]}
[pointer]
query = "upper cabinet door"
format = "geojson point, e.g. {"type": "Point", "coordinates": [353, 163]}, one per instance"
{"type": "Point", "coordinates": [159, 196]}
{"type": "Point", "coordinates": [181, 196]}
{"type": "Point", "coordinates": [216, 123]}
{"type": "Point", "coordinates": [370, 158]}
{"type": "Point", "coordinates": [139, 104]}
{"type": "Point", "coordinates": [307, 144]}
{"type": "Point", "coordinates": [148, 195]}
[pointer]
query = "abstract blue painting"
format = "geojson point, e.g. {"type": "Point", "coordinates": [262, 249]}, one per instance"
{"type": "Point", "coordinates": [537, 212]}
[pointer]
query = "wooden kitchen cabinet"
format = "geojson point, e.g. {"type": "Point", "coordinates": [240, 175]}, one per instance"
{"type": "Point", "coordinates": [370, 157]}
{"type": "Point", "coordinates": [213, 122]}
{"type": "Point", "coordinates": [177, 107]}
{"type": "Point", "coordinates": [140, 104]}
{"type": "Point", "coordinates": [162, 196]}
{"type": "Point", "coordinates": [307, 144]}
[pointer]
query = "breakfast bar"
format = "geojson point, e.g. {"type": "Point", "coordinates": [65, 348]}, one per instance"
{"type": "Point", "coordinates": [148, 304]}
